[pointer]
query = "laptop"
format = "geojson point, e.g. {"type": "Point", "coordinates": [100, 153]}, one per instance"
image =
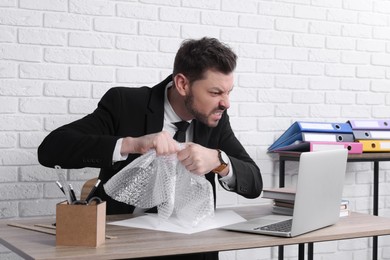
{"type": "Point", "coordinates": [317, 200]}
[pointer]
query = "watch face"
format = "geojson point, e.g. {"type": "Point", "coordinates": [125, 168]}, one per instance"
{"type": "Point", "coordinates": [224, 157]}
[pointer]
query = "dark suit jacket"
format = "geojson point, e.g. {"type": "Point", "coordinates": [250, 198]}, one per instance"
{"type": "Point", "coordinates": [90, 141]}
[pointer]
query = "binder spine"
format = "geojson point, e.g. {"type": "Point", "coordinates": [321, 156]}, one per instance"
{"type": "Point", "coordinates": [370, 124]}
{"type": "Point", "coordinates": [371, 135]}
{"type": "Point", "coordinates": [352, 147]}
{"type": "Point", "coordinates": [375, 145]}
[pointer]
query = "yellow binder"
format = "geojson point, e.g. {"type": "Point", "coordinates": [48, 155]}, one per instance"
{"type": "Point", "coordinates": [375, 145]}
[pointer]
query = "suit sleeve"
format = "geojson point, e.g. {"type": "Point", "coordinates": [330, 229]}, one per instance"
{"type": "Point", "coordinates": [249, 182]}
{"type": "Point", "coordinates": [87, 142]}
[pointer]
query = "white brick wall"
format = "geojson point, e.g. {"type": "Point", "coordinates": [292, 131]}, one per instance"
{"type": "Point", "coordinates": [316, 60]}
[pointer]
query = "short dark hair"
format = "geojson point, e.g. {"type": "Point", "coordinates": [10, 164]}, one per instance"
{"type": "Point", "coordinates": [194, 57]}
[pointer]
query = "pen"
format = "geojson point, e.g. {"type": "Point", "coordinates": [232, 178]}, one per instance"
{"type": "Point", "coordinates": [72, 195]}
{"type": "Point", "coordinates": [60, 186]}
{"type": "Point", "coordinates": [93, 190]}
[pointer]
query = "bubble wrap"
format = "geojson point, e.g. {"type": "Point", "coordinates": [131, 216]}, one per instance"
{"type": "Point", "coordinates": [161, 181]}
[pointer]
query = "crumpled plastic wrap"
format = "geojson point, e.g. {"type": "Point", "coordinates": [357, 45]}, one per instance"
{"type": "Point", "coordinates": [162, 181]}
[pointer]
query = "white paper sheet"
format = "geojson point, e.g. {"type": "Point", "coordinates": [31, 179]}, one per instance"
{"type": "Point", "coordinates": [221, 218]}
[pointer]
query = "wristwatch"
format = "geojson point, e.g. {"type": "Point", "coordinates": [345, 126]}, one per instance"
{"type": "Point", "coordinates": [223, 158]}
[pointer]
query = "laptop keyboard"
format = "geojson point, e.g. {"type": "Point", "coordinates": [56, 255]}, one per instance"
{"type": "Point", "coordinates": [283, 226]}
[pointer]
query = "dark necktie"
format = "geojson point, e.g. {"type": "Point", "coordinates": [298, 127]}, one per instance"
{"type": "Point", "coordinates": [180, 134]}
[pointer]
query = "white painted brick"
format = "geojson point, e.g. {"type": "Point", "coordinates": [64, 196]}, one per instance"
{"type": "Point", "coordinates": [246, 66]}
{"type": "Point", "coordinates": [89, 73]}
{"type": "Point", "coordinates": [355, 112]}
{"type": "Point", "coordinates": [20, 53]}
{"type": "Point", "coordinates": [43, 105]}
{"type": "Point", "coordinates": [137, 76]}
{"type": "Point", "coordinates": [252, 21]}
{"type": "Point", "coordinates": [243, 95]}
{"type": "Point", "coordinates": [43, 71]}
{"type": "Point", "coordinates": [273, 37]}
{"type": "Point", "coordinates": [310, 41]}
{"type": "Point", "coordinates": [197, 31]}
{"type": "Point", "coordinates": [18, 157]}
{"type": "Point", "coordinates": [8, 70]}
{"type": "Point", "coordinates": [355, 57]}
{"type": "Point", "coordinates": [20, 17]}
{"type": "Point", "coordinates": [82, 106]}
{"type": "Point", "coordinates": [290, 53]}
{"type": "Point", "coordinates": [67, 21]}
{"type": "Point", "coordinates": [217, 18]}
{"type": "Point", "coordinates": [307, 68]}
{"type": "Point", "coordinates": [255, 138]}
{"type": "Point", "coordinates": [31, 139]}
{"type": "Point", "coordinates": [291, 25]}
{"type": "Point", "coordinates": [304, 97]}
{"type": "Point", "coordinates": [324, 83]}
{"type": "Point", "coordinates": [20, 123]}
{"type": "Point", "coordinates": [335, 70]}
{"type": "Point", "coordinates": [370, 99]}
{"type": "Point", "coordinates": [254, 51]}
{"type": "Point", "coordinates": [380, 86]}
{"type": "Point", "coordinates": [7, 34]}
{"type": "Point", "coordinates": [8, 105]}
{"type": "Point", "coordinates": [380, 59]}
{"type": "Point", "coordinates": [137, 43]}
{"type": "Point", "coordinates": [342, 15]}
{"type": "Point", "coordinates": [35, 173]}
{"type": "Point", "coordinates": [115, 58]}
{"type": "Point", "coordinates": [173, 14]}
{"type": "Point", "coordinates": [278, 67]}
{"type": "Point", "coordinates": [115, 25]}
{"type": "Point", "coordinates": [255, 109]}
{"type": "Point", "coordinates": [159, 29]}
{"type": "Point", "coordinates": [372, 19]}
{"type": "Point", "coordinates": [274, 96]}
{"type": "Point", "coordinates": [53, 122]}
{"type": "Point", "coordinates": [319, 55]}
{"type": "Point", "coordinates": [286, 110]}
{"type": "Point", "coordinates": [8, 209]}
{"type": "Point", "coordinates": [67, 89]}
{"type": "Point", "coordinates": [382, 33]}
{"type": "Point", "coordinates": [339, 97]}
{"type": "Point", "coordinates": [38, 208]}
{"type": "Point", "coordinates": [20, 88]}
{"type": "Point", "coordinates": [250, 6]}
{"type": "Point", "coordinates": [91, 40]}
{"type": "Point", "coordinates": [370, 72]}
{"type": "Point", "coordinates": [358, 31]}
{"type": "Point", "coordinates": [169, 45]}
{"type": "Point", "coordinates": [155, 60]}
{"type": "Point", "coordinates": [291, 82]}
{"type": "Point", "coordinates": [355, 84]}
{"type": "Point", "coordinates": [382, 7]}
{"type": "Point", "coordinates": [73, 56]}
{"type": "Point", "coordinates": [325, 28]}
{"type": "Point", "coordinates": [276, 9]}
{"type": "Point", "coordinates": [137, 11]}
{"type": "Point", "coordinates": [360, 5]}
{"type": "Point", "coordinates": [203, 4]}
{"type": "Point", "coordinates": [380, 111]}
{"type": "Point", "coordinates": [243, 124]}
{"type": "Point", "coordinates": [324, 111]}
{"type": "Point", "coordinates": [370, 45]}
{"type": "Point", "coordinates": [92, 7]}
{"type": "Point", "coordinates": [340, 43]}
{"type": "Point", "coordinates": [42, 37]}
{"type": "Point", "coordinates": [328, 3]}
{"type": "Point", "coordinates": [310, 12]}
{"type": "Point", "coordinates": [46, 5]}
{"type": "Point", "coordinates": [8, 140]}
{"type": "Point", "coordinates": [255, 80]}
{"type": "Point", "coordinates": [98, 90]}
{"type": "Point", "coordinates": [238, 35]}
{"type": "Point", "coordinates": [8, 3]}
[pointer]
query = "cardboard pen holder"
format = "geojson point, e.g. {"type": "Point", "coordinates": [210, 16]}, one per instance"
{"type": "Point", "coordinates": [80, 225]}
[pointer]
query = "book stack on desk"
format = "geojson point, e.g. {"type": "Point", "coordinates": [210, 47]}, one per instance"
{"type": "Point", "coordinates": [283, 201]}
{"type": "Point", "coordinates": [374, 135]}
{"type": "Point", "coordinates": [316, 136]}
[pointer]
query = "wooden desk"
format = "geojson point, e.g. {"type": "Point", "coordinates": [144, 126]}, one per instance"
{"type": "Point", "coordinates": [132, 242]}
{"type": "Point", "coordinates": [364, 157]}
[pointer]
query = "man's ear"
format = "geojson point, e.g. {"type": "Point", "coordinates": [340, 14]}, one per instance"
{"type": "Point", "coordinates": [181, 84]}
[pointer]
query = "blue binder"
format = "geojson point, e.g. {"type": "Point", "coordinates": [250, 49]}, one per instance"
{"type": "Point", "coordinates": [339, 132]}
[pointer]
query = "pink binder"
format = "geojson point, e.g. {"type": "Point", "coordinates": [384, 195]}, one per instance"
{"type": "Point", "coordinates": [352, 147]}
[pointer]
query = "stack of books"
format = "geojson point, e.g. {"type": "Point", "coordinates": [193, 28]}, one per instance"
{"type": "Point", "coordinates": [283, 201]}
{"type": "Point", "coordinates": [373, 135]}
{"type": "Point", "coordinates": [317, 136]}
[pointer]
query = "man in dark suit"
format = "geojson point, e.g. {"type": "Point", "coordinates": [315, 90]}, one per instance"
{"type": "Point", "coordinates": [130, 121]}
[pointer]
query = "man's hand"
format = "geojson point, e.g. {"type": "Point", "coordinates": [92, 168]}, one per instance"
{"type": "Point", "coordinates": [162, 142]}
{"type": "Point", "coordinates": [198, 159]}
